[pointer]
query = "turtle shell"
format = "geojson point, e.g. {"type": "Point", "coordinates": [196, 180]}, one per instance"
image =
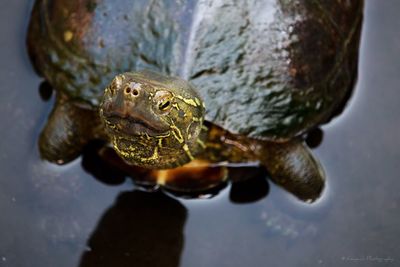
{"type": "Point", "coordinates": [268, 69]}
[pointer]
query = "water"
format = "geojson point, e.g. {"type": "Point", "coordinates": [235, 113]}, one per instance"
{"type": "Point", "coordinates": [62, 216]}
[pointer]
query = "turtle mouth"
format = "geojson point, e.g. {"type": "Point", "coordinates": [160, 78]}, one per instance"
{"type": "Point", "coordinates": [132, 126]}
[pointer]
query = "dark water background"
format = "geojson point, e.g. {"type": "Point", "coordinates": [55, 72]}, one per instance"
{"type": "Point", "coordinates": [62, 216]}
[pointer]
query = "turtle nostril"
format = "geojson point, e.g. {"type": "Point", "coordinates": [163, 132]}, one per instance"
{"type": "Point", "coordinates": [135, 92]}
{"type": "Point", "coordinates": [129, 90]}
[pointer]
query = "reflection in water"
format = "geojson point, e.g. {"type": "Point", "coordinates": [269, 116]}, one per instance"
{"type": "Point", "coordinates": [101, 169]}
{"type": "Point", "coordinates": [140, 229]}
{"type": "Point", "coordinates": [254, 188]}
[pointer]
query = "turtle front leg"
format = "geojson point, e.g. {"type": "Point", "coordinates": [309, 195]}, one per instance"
{"type": "Point", "coordinates": [293, 167]}
{"type": "Point", "coordinates": [68, 129]}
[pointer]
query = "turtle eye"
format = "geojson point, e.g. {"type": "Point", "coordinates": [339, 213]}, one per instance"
{"type": "Point", "coordinates": [163, 100]}
{"type": "Point", "coordinates": [164, 105]}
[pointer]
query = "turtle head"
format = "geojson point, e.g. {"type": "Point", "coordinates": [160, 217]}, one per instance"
{"type": "Point", "coordinates": [153, 121]}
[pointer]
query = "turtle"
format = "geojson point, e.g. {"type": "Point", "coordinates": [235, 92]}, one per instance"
{"type": "Point", "coordinates": [179, 88]}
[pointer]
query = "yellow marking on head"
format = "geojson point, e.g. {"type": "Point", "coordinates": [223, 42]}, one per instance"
{"type": "Point", "coordinates": [201, 143]}
{"type": "Point", "coordinates": [153, 157]}
{"type": "Point", "coordinates": [198, 102]}
{"type": "Point", "coordinates": [177, 134]}
{"type": "Point", "coordinates": [118, 80]}
{"type": "Point", "coordinates": [196, 119]}
{"type": "Point", "coordinates": [175, 105]}
{"type": "Point", "coordinates": [163, 136]}
{"type": "Point", "coordinates": [188, 101]}
{"type": "Point", "coordinates": [160, 142]}
{"type": "Point", "coordinates": [123, 153]}
{"type": "Point", "coordinates": [112, 126]}
{"type": "Point", "coordinates": [188, 131]}
{"type": "Point", "coordinates": [186, 149]}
